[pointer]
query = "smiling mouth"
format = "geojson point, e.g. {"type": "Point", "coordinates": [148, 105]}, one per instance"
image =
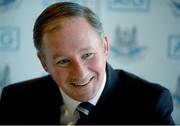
{"type": "Point", "coordinates": [83, 84]}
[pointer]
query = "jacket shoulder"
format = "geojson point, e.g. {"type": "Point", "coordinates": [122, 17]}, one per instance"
{"type": "Point", "coordinates": [136, 83]}
{"type": "Point", "coordinates": [28, 83]}
{"type": "Point", "coordinates": [26, 86]}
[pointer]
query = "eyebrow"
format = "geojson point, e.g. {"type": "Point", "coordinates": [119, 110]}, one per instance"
{"type": "Point", "coordinates": [86, 49]}
{"type": "Point", "coordinates": [58, 56]}
{"type": "Point", "coordinates": [61, 56]}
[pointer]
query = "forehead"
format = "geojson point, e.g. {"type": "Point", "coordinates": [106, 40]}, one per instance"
{"type": "Point", "coordinates": [66, 22]}
{"type": "Point", "coordinates": [70, 33]}
{"type": "Point", "coordinates": [71, 27]}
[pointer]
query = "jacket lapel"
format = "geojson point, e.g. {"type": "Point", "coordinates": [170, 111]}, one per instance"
{"type": "Point", "coordinates": [105, 103]}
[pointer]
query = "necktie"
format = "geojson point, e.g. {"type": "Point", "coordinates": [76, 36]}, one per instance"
{"type": "Point", "coordinates": [84, 109]}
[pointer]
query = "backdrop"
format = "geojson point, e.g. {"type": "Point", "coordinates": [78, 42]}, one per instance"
{"type": "Point", "coordinates": [144, 38]}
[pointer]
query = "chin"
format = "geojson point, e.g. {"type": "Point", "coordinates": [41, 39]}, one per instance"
{"type": "Point", "coordinates": [86, 98]}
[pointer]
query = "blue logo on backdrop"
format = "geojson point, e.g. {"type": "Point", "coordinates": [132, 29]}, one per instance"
{"type": "Point", "coordinates": [9, 38]}
{"type": "Point", "coordinates": [174, 46]}
{"type": "Point", "coordinates": [8, 4]}
{"type": "Point", "coordinates": [175, 6]}
{"type": "Point", "coordinates": [126, 44]}
{"type": "Point", "coordinates": [129, 5]}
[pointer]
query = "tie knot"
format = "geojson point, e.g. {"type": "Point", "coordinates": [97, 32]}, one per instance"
{"type": "Point", "coordinates": [84, 108]}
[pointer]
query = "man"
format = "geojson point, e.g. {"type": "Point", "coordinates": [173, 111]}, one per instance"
{"type": "Point", "coordinates": [73, 48]}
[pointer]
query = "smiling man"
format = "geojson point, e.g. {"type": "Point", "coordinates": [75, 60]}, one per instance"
{"type": "Point", "coordinates": [80, 58]}
{"type": "Point", "coordinates": [81, 88]}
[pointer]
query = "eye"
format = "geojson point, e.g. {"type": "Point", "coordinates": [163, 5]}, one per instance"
{"type": "Point", "coordinates": [63, 62]}
{"type": "Point", "coordinates": [87, 55]}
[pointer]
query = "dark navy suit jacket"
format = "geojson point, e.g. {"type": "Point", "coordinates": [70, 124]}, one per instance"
{"type": "Point", "coordinates": [126, 99]}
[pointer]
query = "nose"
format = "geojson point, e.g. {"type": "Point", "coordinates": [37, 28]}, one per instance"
{"type": "Point", "coordinates": [78, 71]}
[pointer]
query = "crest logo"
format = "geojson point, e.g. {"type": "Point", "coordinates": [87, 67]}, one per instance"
{"type": "Point", "coordinates": [174, 46]}
{"type": "Point", "coordinates": [126, 44]}
{"type": "Point", "coordinates": [129, 5]}
{"type": "Point", "coordinates": [175, 6]}
{"type": "Point", "coordinates": [8, 4]}
{"type": "Point", "coordinates": [9, 38]}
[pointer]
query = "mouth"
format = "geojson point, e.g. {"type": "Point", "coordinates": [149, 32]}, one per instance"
{"type": "Point", "coordinates": [83, 84]}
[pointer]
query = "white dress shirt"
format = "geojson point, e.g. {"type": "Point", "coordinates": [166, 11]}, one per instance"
{"type": "Point", "coordinates": [68, 113]}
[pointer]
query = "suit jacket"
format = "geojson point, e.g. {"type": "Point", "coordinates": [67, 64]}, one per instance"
{"type": "Point", "coordinates": [126, 99]}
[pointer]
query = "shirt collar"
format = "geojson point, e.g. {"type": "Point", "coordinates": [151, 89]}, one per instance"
{"type": "Point", "coordinates": [72, 104]}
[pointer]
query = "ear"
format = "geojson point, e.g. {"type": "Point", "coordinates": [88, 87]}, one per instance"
{"type": "Point", "coordinates": [42, 60]}
{"type": "Point", "coordinates": [106, 45]}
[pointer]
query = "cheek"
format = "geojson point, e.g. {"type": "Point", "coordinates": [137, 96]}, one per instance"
{"type": "Point", "coordinates": [60, 76]}
{"type": "Point", "coordinates": [98, 64]}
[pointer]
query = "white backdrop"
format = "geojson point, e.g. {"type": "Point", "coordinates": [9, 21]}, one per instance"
{"type": "Point", "coordinates": [144, 37]}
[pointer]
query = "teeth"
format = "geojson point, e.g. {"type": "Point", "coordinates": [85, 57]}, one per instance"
{"type": "Point", "coordinates": [83, 84]}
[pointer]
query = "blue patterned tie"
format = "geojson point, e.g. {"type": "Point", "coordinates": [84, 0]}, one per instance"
{"type": "Point", "coordinates": [84, 109]}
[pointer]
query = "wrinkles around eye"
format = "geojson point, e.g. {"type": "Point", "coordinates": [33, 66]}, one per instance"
{"type": "Point", "coordinates": [88, 55]}
{"type": "Point", "coordinates": [63, 62]}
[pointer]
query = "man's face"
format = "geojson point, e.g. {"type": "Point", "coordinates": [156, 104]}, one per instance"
{"type": "Point", "coordinates": [75, 57]}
